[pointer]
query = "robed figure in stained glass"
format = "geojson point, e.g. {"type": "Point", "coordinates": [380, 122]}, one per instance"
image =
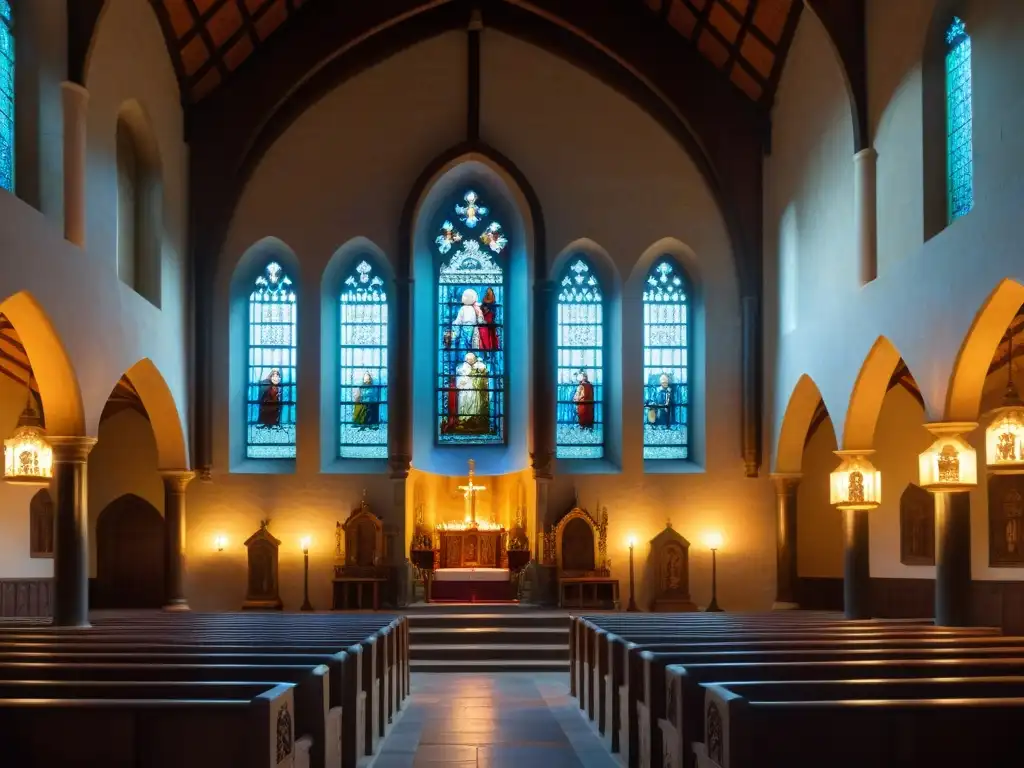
{"type": "Point", "coordinates": [471, 358]}
{"type": "Point", "coordinates": [666, 362]}
{"type": "Point", "coordinates": [584, 400]}
{"type": "Point", "coordinates": [270, 400]}
{"type": "Point", "coordinates": [659, 404]}
{"type": "Point", "coordinates": [366, 411]}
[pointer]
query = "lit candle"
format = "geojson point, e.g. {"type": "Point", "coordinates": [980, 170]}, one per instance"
{"type": "Point", "coordinates": [713, 540]}
{"type": "Point", "coordinates": [305, 545]}
{"type": "Point", "coordinates": [631, 541]}
{"type": "Point", "coordinates": [220, 542]}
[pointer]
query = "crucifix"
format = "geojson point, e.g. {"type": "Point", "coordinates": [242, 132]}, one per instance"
{"type": "Point", "coordinates": [470, 490]}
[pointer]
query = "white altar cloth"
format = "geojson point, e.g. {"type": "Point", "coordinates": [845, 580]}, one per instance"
{"type": "Point", "coordinates": [471, 574]}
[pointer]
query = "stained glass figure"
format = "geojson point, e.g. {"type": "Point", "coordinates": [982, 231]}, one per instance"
{"type": "Point", "coordinates": [6, 96]}
{"type": "Point", "coordinates": [580, 405]}
{"type": "Point", "coordinates": [666, 386]}
{"type": "Point", "coordinates": [270, 401]}
{"type": "Point", "coordinates": [959, 121]}
{"type": "Point", "coordinates": [471, 335]}
{"type": "Point", "coordinates": [364, 366]}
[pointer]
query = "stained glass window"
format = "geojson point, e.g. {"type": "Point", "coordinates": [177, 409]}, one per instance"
{"type": "Point", "coordinates": [6, 96]}
{"type": "Point", "coordinates": [580, 407]}
{"type": "Point", "coordinates": [959, 126]}
{"type": "Point", "coordinates": [364, 365]}
{"type": "Point", "coordinates": [270, 400]}
{"type": "Point", "coordinates": [666, 385]}
{"type": "Point", "coordinates": [471, 326]}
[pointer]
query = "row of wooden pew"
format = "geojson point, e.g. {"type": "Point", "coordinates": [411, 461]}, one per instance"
{"type": "Point", "coordinates": [245, 690]}
{"type": "Point", "coordinates": [796, 688]}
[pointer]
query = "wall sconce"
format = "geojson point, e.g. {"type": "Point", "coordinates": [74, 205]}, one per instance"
{"type": "Point", "coordinates": [950, 464]}
{"type": "Point", "coordinates": [855, 484]}
{"type": "Point", "coordinates": [220, 542]}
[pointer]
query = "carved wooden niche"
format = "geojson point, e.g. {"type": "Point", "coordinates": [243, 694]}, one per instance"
{"type": "Point", "coordinates": [1006, 521]}
{"type": "Point", "coordinates": [917, 526]}
{"type": "Point", "coordinates": [670, 560]}
{"type": "Point", "coordinates": [40, 515]}
{"type": "Point", "coordinates": [263, 582]}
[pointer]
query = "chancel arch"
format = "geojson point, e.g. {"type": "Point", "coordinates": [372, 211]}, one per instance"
{"type": "Point", "coordinates": [356, 307]}
{"type": "Point", "coordinates": [263, 358]}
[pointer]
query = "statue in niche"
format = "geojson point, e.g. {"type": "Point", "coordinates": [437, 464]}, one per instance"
{"type": "Point", "coordinates": [917, 526]}
{"type": "Point", "coordinates": [670, 559]}
{"type": "Point", "coordinates": [1006, 520]}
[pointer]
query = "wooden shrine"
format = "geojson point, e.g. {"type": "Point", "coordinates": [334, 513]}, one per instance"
{"type": "Point", "coordinates": [263, 583]}
{"type": "Point", "coordinates": [577, 548]}
{"type": "Point", "coordinates": [361, 560]}
{"type": "Point", "coordinates": [473, 548]}
{"type": "Point", "coordinates": [670, 563]}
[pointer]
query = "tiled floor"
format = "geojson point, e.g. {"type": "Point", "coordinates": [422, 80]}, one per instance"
{"type": "Point", "coordinates": [509, 720]}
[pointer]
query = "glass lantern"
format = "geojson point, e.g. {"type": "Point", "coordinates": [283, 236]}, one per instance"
{"type": "Point", "coordinates": [1004, 438]}
{"type": "Point", "coordinates": [28, 457]}
{"type": "Point", "coordinates": [950, 464]}
{"type": "Point", "coordinates": [855, 484]}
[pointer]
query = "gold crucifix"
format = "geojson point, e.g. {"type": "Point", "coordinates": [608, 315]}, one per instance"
{"type": "Point", "coordinates": [471, 489]}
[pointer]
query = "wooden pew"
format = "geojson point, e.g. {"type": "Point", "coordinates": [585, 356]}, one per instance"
{"type": "Point", "coordinates": [313, 714]}
{"type": "Point", "coordinates": [149, 725]}
{"type": "Point", "coordinates": [921, 733]}
{"type": "Point", "coordinates": [684, 720]}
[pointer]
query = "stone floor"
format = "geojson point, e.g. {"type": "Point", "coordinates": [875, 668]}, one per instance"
{"type": "Point", "coordinates": [502, 720]}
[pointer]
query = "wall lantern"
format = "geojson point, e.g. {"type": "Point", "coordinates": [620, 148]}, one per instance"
{"type": "Point", "coordinates": [28, 457]}
{"type": "Point", "coordinates": [950, 464]}
{"type": "Point", "coordinates": [1004, 438]}
{"type": "Point", "coordinates": [220, 542]}
{"type": "Point", "coordinates": [855, 484]}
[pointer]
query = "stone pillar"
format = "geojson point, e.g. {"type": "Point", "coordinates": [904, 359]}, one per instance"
{"type": "Point", "coordinates": [751, 367]}
{"type": "Point", "coordinates": [856, 564]}
{"type": "Point", "coordinates": [71, 540]}
{"type": "Point", "coordinates": [785, 542]}
{"type": "Point", "coordinates": [953, 559]}
{"type": "Point", "coordinates": [175, 483]}
{"type": "Point", "coordinates": [865, 213]}
{"type": "Point", "coordinates": [543, 453]}
{"type": "Point", "coordinates": [76, 112]}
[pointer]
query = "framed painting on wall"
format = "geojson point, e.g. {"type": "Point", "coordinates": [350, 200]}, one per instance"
{"type": "Point", "coordinates": [1006, 521]}
{"type": "Point", "coordinates": [917, 526]}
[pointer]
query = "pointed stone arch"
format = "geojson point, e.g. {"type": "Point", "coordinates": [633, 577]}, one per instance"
{"type": "Point", "coordinates": [164, 416]}
{"type": "Point", "coordinates": [804, 402]}
{"type": "Point", "coordinates": [869, 391]}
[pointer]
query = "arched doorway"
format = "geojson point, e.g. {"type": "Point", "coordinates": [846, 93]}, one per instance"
{"type": "Point", "coordinates": [129, 555]}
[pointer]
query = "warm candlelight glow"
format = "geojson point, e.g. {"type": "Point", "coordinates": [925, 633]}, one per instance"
{"type": "Point", "coordinates": [631, 541]}
{"type": "Point", "coordinates": [220, 542]}
{"type": "Point", "coordinates": [305, 545]}
{"type": "Point", "coordinates": [950, 465]}
{"type": "Point", "coordinates": [713, 540]}
{"type": "Point", "coordinates": [466, 525]}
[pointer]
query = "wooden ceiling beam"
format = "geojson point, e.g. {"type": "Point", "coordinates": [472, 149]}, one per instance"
{"type": "Point", "coordinates": [788, 32]}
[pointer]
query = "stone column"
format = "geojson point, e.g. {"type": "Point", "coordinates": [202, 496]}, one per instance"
{"type": "Point", "coordinates": [76, 112]}
{"type": "Point", "coordinates": [785, 542]}
{"type": "Point", "coordinates": [751, 402]}
{"type": "Point", "coordinates": [953, 559]}
{"type": "Point", "coordinates": [865, 213]}
{"type": "Point", "coordinates": [71, 540]}
{"type": "Point", "coordinates": [856, 564]}
{"type": "Point", "coordinates": [175, 483]}
{"type": "Point", "coordinates": [543, 453]}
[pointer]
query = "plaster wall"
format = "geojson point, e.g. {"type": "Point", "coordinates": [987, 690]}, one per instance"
{"type": "Point", "coordinates": [357, 157]}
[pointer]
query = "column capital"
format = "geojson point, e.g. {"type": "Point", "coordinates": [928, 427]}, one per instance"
{"type": "Point", "coordinates": [867, 154]}
{"type": "Point", "coordinates": [177, 479]}
{"type": "Point", "coordinates": [786, 482]}
{"type": "Point", "coordinates": [398, 465]}
{"type": "Point", "coordinates": [75, 91]}
{"type": "Point", "coordinates": [71, 449]}
{"type": "Point", "coordinates": [542, 461]}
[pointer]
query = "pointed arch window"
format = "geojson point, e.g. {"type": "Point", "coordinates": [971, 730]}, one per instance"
{"type": "Point", "coordinates": [270, 400]}
{"type": "Point", "coordinates": [959, 121]}
{"type": "Point", "coordinates": [363, 312]}
{"type": "Point", "coordinates": [471, 326]}
{"type": "Point", "coordinates": [6, 96]}
{"type": "Point", "coordinates": [580, 390]}
{"type": "Point", "coordinates": [666, 362]}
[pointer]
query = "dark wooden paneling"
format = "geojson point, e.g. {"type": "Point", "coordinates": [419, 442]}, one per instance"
{"type": "Point", "coordinates": [129, 555]}
{"type": "Point", "coordinates": [26, 598]}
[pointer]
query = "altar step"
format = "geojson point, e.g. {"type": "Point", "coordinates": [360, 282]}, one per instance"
{"type": "Point", "coordinates": [523, 641]}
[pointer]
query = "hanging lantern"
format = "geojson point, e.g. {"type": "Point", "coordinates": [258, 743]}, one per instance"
{"type": "Point", "coordinates": [1004, 438]}
{"type": "Point", "coordinates": [28, 457]}
{"type": "Point", "coordinates": [856, 484]}
{"type": "Point", "coordinates": [950, 464]}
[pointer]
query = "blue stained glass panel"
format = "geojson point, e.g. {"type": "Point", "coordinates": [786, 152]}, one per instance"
{"type": "Point", "coordinates": [580, 383]}
{"type": "Point", "coordinates": [666, 343]}
{"type": "Point", "coordinates": [6, 98]}
{"type": "Point", "coordinates": [471, 327]}
{"type": "Point", "coordinates": [959, 121]}
{"type": "Point", "coordinates": [270, 397]}
{"type": "Point", "coordinates": [364, 366]}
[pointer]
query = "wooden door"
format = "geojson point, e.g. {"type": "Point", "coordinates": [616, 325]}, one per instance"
{"type": "Point", "coordinates": [129, 555]}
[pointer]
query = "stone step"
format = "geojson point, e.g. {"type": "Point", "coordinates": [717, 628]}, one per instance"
{"type": "Point", "coordinates": [489, 635]}
{"type": "Point", "coordinates": [527, 620]}
{"type": "Point", "coordinates": [488, 666]}
{"type": "Point", "coordinates": [489, 651]}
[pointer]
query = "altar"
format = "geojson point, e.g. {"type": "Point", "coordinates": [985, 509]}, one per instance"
{"type": "Point", "coordinates": [472, 548]}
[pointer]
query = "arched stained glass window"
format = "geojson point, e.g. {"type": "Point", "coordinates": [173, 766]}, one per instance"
{"type": "Point", "coordinates": [580, 416]}
{"type": "Point", "coordinates": [270, 400]}
{"type": "Point", "coordinates": [471, 326]}
{"type": "Point", "coordinates": [364, 365]}
{"type": "Point", "coordinates": [666, 364]}
{"type": "Point", "coordinates": [6, 96]}
{"type": "Point", "coordinates": [959, 121]}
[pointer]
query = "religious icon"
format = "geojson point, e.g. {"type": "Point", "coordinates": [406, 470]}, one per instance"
{"type": "Point", "coordinates": [584, 400]}
{"type": "Point", "coordinates": [366, 412]}
{"type": "Point", "coordinates": [1013, 508]}
{"type": "Point", "coordinates": [270, 400]}
{"type": "Point", "coordinates": [488, 334]}
{"type": "Point", "coordinates": [469, 399]}
{"type": "Point", "coordinates": [659, 408]}
{"type": "Point", "coordinates": [467, 322]}
{"type": "Point", "coordinates": [673, 567]}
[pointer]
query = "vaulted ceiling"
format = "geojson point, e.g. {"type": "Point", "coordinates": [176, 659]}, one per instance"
{"type": "Point", "coordinates": [746, 40]}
